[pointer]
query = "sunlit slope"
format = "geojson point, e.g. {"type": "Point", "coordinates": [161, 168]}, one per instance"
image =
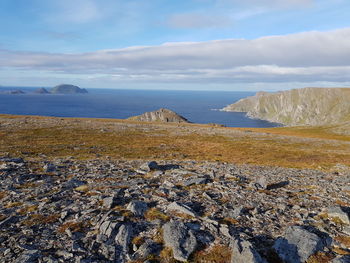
{"type": "Point", "coordinates": [308, 106]}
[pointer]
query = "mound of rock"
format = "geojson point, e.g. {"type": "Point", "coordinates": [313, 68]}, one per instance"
{"type": "Point", "coordinates": [161, 115]}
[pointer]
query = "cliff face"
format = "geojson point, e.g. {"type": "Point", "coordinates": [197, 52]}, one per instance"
{"type": "Point", "coordinates": [308, 106]}
{"type": "Point", "coordinates": [162, 115]}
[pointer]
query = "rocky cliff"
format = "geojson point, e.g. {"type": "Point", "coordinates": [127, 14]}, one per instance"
{"type": "Point", "coordinates": [307, 106]}
{"type": "Point", "coordinates": [161, 115]}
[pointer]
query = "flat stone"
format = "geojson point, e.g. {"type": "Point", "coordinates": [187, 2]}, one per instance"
{"type": "Point", "coordinates": [180, 239]}
{"type": "Point", "coordinates": [197, 180]}
{"type": "Point", "coordinates": [181, 208]}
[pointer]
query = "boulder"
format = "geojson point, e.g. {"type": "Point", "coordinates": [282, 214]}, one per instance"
{"type": "Point", "coordinates": [243, 252]}
{"type": "Point", "coordinates": [299, 243]}
{"type": "Point", "coordinates": [138, 208]}
{"type": "Point", "coordinates": [180, 239]}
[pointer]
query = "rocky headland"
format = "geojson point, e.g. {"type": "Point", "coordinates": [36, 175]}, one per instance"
{"type": "Point", "coordinates": [308, 106]}
{"type": "Point", "coordinates": [161, 115]}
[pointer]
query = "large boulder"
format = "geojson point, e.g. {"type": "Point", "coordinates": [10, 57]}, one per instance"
{"type": "Point", "coordinates": [299, 243]}
{"type": "Point", "coordinates": [243, 252]}
{"type": "Point", "coordinates": [180, 239]}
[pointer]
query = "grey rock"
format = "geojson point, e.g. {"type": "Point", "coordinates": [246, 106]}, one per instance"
{"type": "Point", "coordinates": [260, 182]}
{"type": "Point", "coordinates": [298, 244]}
{"type": "Point", "coordinates": [243, 252]}
{"type": "Point", "coordinates": [29, 256]}
{"type": "Point", "coordinates": [108, 228]}
{"type": "Point", "coordinates": [197, 180]}
{"type": "Point", "coordinates": [337, 212]}
{"type": "Point", "coordinates": [235, 212]}
{"type": "Point", "coordinates": [342, 259]}
{"type": "Point", "coordinates": [49, 167]}
{"type": "Point", "coordinates": [180, 239]}
{"type": "Point", "coordinates": [73, 183]}
{"type": "Point", "coordinates": [181, 208]}
{"type": "Point", "coordinates": [149, 166]}
{"type": "Point", "coordinates": [149, 247]}
{"type": "Point", "coordinates": [138, 208]}
{"type": "Point", "coordinates": [122, 241]}
{"type": "Point", "coordinates": [109, 202]}
{"type": "Point", "coordinates": [108, 251]}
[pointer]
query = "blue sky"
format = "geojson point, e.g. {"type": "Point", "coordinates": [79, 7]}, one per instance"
{"type": "Point", "coordinates": [183, 44]}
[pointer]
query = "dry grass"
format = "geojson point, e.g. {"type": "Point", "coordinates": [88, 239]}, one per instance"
{"type": "Point", "coordinates": [39, 219]}
{"type": "Point", "coordinates": [154, 214]}
{"type": "Point", "coordinates": [83, 139]}
{"type": "Point", "coordinates": [320, 257]}
{"type": "Point", "coordinates": [345, 240]}
{"type": "Point", "coordinates": [73, 226]}
{"type": "Point", "coordinates": [215, 254]}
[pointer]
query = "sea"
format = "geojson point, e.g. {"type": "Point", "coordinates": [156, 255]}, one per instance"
{"type": "Point", "coordinates": [197, 106]}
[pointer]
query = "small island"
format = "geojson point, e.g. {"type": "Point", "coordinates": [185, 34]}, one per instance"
{"type": "Point", "coordinates": [67, 89]}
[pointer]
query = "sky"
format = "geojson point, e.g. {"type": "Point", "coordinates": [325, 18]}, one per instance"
{"type": "Point", "coordinates": [183, 44]}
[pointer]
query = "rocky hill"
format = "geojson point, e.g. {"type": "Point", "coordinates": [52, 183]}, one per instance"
{"type": "Point", "coordinates": [308, 106]}
{"type": "Point", "coordinates": [67, 89]}
{"type": "Point", "coordinates": [161, 115]}
{"type": "Point", "coordinates": [41, 91]}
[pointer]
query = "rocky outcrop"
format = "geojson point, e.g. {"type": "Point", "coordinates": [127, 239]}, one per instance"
{"type": "Point", "coordinates": [123, 214]}
{"type": "Point", "coordinates": [161, 115]}
{"type": "Point", "coordinates": [308, 106]}
{"type": "Point", "coordinates": [67, 89]}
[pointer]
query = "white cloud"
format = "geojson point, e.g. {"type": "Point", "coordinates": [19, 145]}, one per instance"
{"type": "Point", "coordinates": [303, 57]}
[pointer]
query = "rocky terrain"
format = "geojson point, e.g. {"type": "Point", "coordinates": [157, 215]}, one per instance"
{"type": "Point", "coordinates": [105, 210]}
{"type": "Point", "coordinates": [308, 106]}
{"type": "Point", "coordinates": [161, 115]}
{"type": "Point", "coordinates": [67, 89]}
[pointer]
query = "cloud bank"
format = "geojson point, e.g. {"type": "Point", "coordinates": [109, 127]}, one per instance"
{"type": "Point", "coordinates": [302, 57]}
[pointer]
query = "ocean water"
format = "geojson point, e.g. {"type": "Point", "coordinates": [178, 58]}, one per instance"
{"type": "Point", "coordinates": [196, 106]}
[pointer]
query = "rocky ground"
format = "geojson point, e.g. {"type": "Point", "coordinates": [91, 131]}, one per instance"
{"type": "Point", "coordinates": [108, 210]}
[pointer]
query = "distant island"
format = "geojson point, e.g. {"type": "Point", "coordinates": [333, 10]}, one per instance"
{"type": "Point", "coordinates": [67, 89]}
{"type": "Point", "coordinates": [298, 107]}
{"type": "Point", "coordinates": [59, 89]}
